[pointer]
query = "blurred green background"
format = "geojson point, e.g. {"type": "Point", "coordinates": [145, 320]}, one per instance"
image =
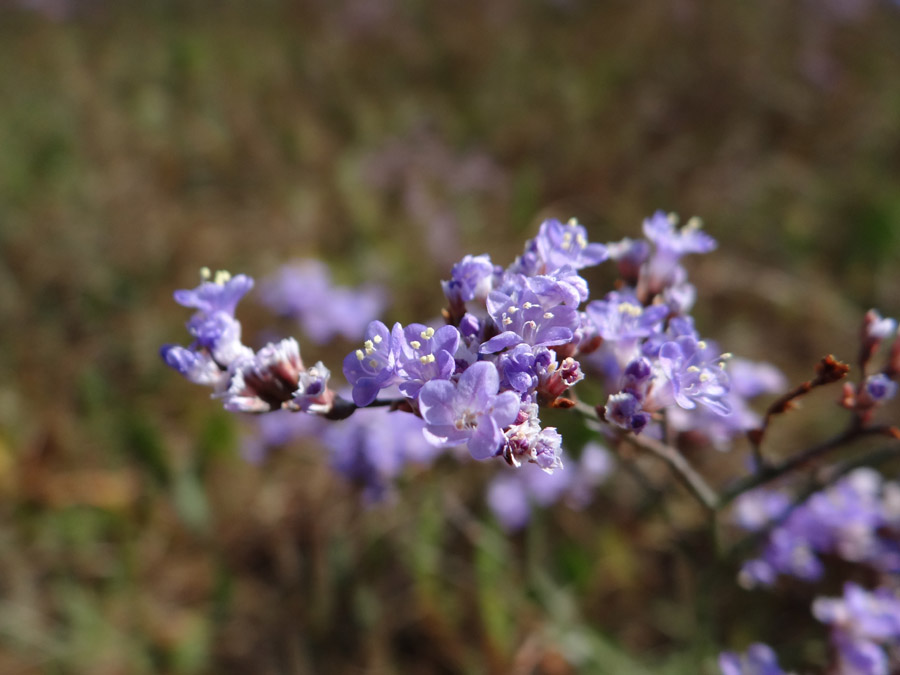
{"type": "Point", "coordinates": [140, 141]}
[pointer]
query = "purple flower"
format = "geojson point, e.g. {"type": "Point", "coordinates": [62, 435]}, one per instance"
{"type": "Point", "coordinates": [304, 292]}
{"type": "Point", "coordinates": [374, 367]}
{"type": "Point", "coordinates": [472, 277]}
{"type": "Point", "coordinates": [220, 294]}
{"type": "Point", "coordinates": [372, 451]}
{"type": "Point", "coordinates": [759, 660]}
{"type": "Point", "coordinates": [622, 320]}
{"type": "Point", "coordinates": [861, 621]}
{"type": "Point", "coordinates": [625, 411]}
{"type": "Point", "coordinates": [469, 411]}
{"type": "Point", "coordinates": [558, 245]}
{"type": "Point", "coordinates": [512, 493]}
{"type": "Point", "coordinates": [526, 317]}
{"type": "Point", "coordinates": [197, 367]}
{"type": "Point", "coordinates": [424, 354]}
{"type": "Point", "coordinates": [216, 333]}
{"type": "Point", "coordinates": [880, 388]}
{"type": "Point", "coordinates": [692, 375]}
{"type": "Point", "coordinates": [671, 244]}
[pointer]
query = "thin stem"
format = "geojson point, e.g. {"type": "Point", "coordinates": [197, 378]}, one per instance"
{"type": "Point", "coordinates": [773, 471]}
{"type": "Point", "coordinates": [670, 455]}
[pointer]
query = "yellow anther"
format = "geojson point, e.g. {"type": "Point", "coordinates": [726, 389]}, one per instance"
{"type": "Point", "coordinates": [506, 321]}
{"type": "Point", "coordinates": [222, 277]}
{"type": "Point", "coordinates": [630, 309]}
{"type": "Point", "coordinates": [673, 218]}
{"type": "Point", "coordinates": [701, 344]}
{"type": "Point", "coordinates": [582, 242]}
{"type": "Point", "coordinates": [427, 334]}
{"type": "Point", "coordinates": [705, 377]}
{"type": "Point", "coordinates": [369, 346]}
{"type": "Point", "coordinates": [548, 315]}
{"type": "Point", "coordinates": [726, 356]}
{"type": "Point", "coordinates": [512, 309]}
{"type": "Point", "coordinates": [415, 344]}
{"type": "Point", "coordinates": [527, 305]}
{"type": "Point", "coordinates": [572, 222]}
{"type": "Point", "coordinates": [205, 274]}
{"type": "Point", "coordinates": [693, 369]}
{"type": "Point", "coordinates": [694, 223]}
{"type": "Point", "coordinates": [377, 339]}
{"type": "Point", "coordinates": [567, 239]}
{"type": "Point", "coordinates": [428, 358]}
{"type": "Point", "coordinates": [360, 355]}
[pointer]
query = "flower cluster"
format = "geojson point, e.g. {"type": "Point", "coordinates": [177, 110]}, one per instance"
{"type": "Point", "coordinates": [512, 494]}
{"type": "Point", "coordinates": [304, 291]}
{"type": "Point", "coordinates": [856, 519]}
{"type": "Point", "coordinates": [514, 340]}
{"type": "Point", "coordinates": [271, 378]}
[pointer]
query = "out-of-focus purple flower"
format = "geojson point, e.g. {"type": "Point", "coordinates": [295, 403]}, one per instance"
{"type": "Point", "coordinates": [558, 245]}
{"type": "Point", "coordinates": [851, 519]}
{"type": "Point", "coordinates": [692, 375]}
{"type": "Point", "coordinates": [620, 319]}
{"type": "Point", "coordinates": [370, 451]}
{"type": "Point", "coordinates": [880, 388]}
{"type": "Point", "coordinates": [220, 293]}
{"type": "Point", "coordinates": [469, 411]}
{"type": "Point", "coordinates": [625, 411]}
{"type": "Point", "coordinates": [196, 367]}
{"type": "Point", "coordinates": [278, 428]}
{"type": "Point", "coordinates": [876, 327]}
{"type": "Point", "coordinates": [374, 367]}
{"type": "Point", "coordinates": [216, 333]}
{"type": "Point", "coordinates": [305, 292]}
{"type": "Point", "coordinates": [512, 494]}
{"type": "Point", "coordinates": [424, 354]}
{"type": "Point", "coordinates": [861, 622]}
{"type": "Point", "coordinates": [758, 508]}
{"type": "Point", "coordinates": [266, 380]}
{"type": "Point", "coordinates": [671, 244]}
{"type": "Point", "coordinates": [747, 379]}
{"type": "Point", "coordinates": [629, 255]}
{"type": "Point", "coordinates": [759, 660]}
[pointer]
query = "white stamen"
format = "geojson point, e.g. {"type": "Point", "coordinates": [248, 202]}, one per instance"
{"type": "Point", "coordinates": [548, 315]}
{"type": "Point", "coordinates": [369, 347]}
{"type": "Point", "coordinates": [512, 309]}
{"type": "Point", "coordinates": [527, 305]}
{"type": "Point", "coordinates": [427, 334]}
{"type": "Point", "coordinates": [377, 339]}
{"type": "Point", "coordinates": [506, 321]}
{"type": "Point", "coordinates": [428, 358]}
{"type": "Point", "coordinates": [415, 344]}
{"type": "Point", "coordinates": [360, 355]}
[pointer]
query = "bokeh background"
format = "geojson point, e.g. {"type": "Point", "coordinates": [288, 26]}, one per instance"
{"type": "Point", "coordinates": [140, 141]}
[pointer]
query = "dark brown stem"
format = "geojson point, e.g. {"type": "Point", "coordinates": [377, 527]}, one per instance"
{"type": "Point", "coordinates": [771, 472]}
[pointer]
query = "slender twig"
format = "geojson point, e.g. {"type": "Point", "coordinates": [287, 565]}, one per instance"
{"type": "Point", "coordinates": [773, 471]}
{"type": "Point", "coordinates": [671, 456]}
